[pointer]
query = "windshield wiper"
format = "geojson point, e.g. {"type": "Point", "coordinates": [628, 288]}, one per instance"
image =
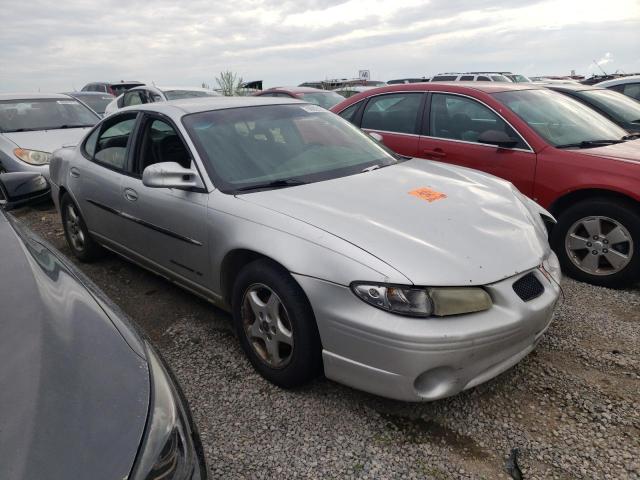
{"type": "Point", "coordinates": [21, 130]}
{"type": "Point", "coordinates": [282, 183]}
{"type": "Point", "coordinates": [631, 136]}
{"type": "Point", "coordinates": [61, 127]}
{"type": "Point", "coordinates": [40, 129]}
{"type": "Point", "coordinates": [590, 143]}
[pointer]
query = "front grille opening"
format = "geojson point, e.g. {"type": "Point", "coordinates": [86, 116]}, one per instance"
{"type": "Point", "coordinates": [528, 287]}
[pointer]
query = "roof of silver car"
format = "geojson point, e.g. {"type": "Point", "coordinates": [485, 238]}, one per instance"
{"type": "Point", "coordinates": [204, 104]}
{"type": "Point", "coordinates": [32, 96]}
{"type": "Point", "coordinates": [619, 81]}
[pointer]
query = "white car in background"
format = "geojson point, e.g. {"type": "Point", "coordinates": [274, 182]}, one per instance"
{"type": "Point", "coordinates": [629, 85]}
{"type": "Point", "coordinates": [151, 94]}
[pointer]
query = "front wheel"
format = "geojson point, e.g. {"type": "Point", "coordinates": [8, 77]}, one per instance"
{"type": "Point", "coordinates": [275, 324]}
{"type": "Point", "coordinates": [597, 242]}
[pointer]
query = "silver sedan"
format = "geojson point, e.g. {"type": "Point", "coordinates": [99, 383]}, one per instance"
{"type": "Point", "coordinates": [406, 278]}
{"type": "Point", "coordinates": [35, 124]}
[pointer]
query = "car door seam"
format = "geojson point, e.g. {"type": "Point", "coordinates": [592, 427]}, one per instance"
{"type": "Point", "coordinates": [144, 223]}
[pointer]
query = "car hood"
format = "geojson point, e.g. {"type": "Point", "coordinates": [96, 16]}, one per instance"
{"type": "Point", "coordinates": [628, 151]}
{"type": "Point", "coordinates": [75, 390]}
{"type": "Point", "coordinates": [463, 228]}
{"type": "Point", "coordinates": [47, 140]}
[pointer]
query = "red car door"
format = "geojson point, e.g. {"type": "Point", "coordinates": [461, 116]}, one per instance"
{"type": "Point", "coordinates": [452, 128]}
{"type": "Point", "coordinates": [395, 117]}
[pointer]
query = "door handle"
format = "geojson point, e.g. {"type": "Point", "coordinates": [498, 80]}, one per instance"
{"type": "Point", "coordinates": [74, 172]}
{"type": "Point", "coordinates": [436, 153]}
{"type": "Point", "coordinates": [130, 194]}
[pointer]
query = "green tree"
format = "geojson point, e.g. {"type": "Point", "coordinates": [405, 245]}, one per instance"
{"type": "Point", "coordinates": [229, 83]}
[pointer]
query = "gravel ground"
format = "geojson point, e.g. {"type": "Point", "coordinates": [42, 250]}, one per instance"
{"type": "Point", "coordinates": [572, 407]}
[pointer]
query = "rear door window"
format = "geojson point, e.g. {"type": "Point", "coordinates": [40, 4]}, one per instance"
{"type": "Point", "coordinates": [136, 97]}
{"type": "Point", "coordinates": [482, 78]}
{"type": "Point", "coordinates": [395, 112]}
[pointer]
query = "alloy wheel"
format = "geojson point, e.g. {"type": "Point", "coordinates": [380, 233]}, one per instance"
{"type": "Point", "coordinates": [74, 229]}
{"type": "Point", "coordinates": [599, 245]}
{"type": "Point", "coordinates": [267, 326]}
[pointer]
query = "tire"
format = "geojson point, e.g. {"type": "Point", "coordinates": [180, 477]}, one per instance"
{"type": "Point", "coordinates": [596, 259]}
{"type": "Point", "coordinates": [75, 231]}
{"type": "Point", "coordinates": [281, 341]}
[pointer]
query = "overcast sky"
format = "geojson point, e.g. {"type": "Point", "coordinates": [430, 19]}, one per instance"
{"type": "Point", "coordinates": [56, 46]}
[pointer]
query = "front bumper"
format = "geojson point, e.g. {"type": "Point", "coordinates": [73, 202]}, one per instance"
{"type": "Point", "coordinates": [416, 359]}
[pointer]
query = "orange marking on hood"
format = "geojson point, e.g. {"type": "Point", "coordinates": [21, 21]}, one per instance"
{"type": "Point", "coordinates": [428, 194]}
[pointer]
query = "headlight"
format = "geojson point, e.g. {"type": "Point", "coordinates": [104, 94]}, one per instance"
{"type": "Point", "coordinates": [32, 157]}
{"type": "Point", "coordinates": [423, 302]}
{"type": "Point", "coordinates": [170, 448]}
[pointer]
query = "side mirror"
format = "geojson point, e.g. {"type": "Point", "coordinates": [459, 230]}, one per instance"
{"type": "Point", "coordinates": [497, 138]}
{"type": "Point", "coordinates": [170, 175]}
{"type": "Point", "coordinates": [21, 188]}
{"type": "Point", "coordinates": [377, 137]}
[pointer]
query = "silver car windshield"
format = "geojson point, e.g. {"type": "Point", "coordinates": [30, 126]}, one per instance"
{"type": "Point", "coordinates": [560, 120]}
{"type": "Point", "coordinates": [325, 100]}
{"type": "Point", "coordinates": [44, 114]}
{"type": "Point", "coordinates": [277, 145]}
{"type": "Point", "coordinates": [179, 94]}
{"type": "Point", "coordinates": [98, 103]}
{"type": "Point", "coordinates": [614, 103]}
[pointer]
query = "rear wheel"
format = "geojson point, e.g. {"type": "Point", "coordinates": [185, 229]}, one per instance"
{"type": "Point", "coordinates": [76, 232]}
{"type": "Point", "coordinates": [275, 324]}
{"type": "Point", "coordinates": [598, 241]}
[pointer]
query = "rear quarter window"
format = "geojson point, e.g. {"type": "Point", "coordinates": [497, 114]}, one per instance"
{"type": "Point", "coordinates": [350, 112]}
{"type": "Point", "coordinates": [89, 146]}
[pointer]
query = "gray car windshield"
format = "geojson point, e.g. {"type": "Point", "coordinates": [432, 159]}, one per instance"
{"type": "Point", "coordinates": [617, 105]}
{"type": "Point", "coordinates": [560, 120]}
{"type": "Point", "coordinates": [325, 100]}
{"type": "Point", "coordinates": [44, 114]}
{"type": "Point", "coordinates": [98, 103]}
{"type": "Point", "coordinates": [274, 146]}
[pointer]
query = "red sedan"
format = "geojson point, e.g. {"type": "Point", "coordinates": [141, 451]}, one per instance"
{"type": "Point", "coordinates": [576, 163]}
{"type": "Point", "coordinates": [324, 98]}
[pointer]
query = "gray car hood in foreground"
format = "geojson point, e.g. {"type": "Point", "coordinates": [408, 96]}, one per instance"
{"type": "Point", "coordinates": [479, 234]}
{"type": "Point", "coordinates": [46, 140]}
{"type": "Point", "coordinates": [74, 394]}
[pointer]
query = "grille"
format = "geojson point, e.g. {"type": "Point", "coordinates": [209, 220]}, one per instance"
{"type": "Point", "coordinates": [528, 287]}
